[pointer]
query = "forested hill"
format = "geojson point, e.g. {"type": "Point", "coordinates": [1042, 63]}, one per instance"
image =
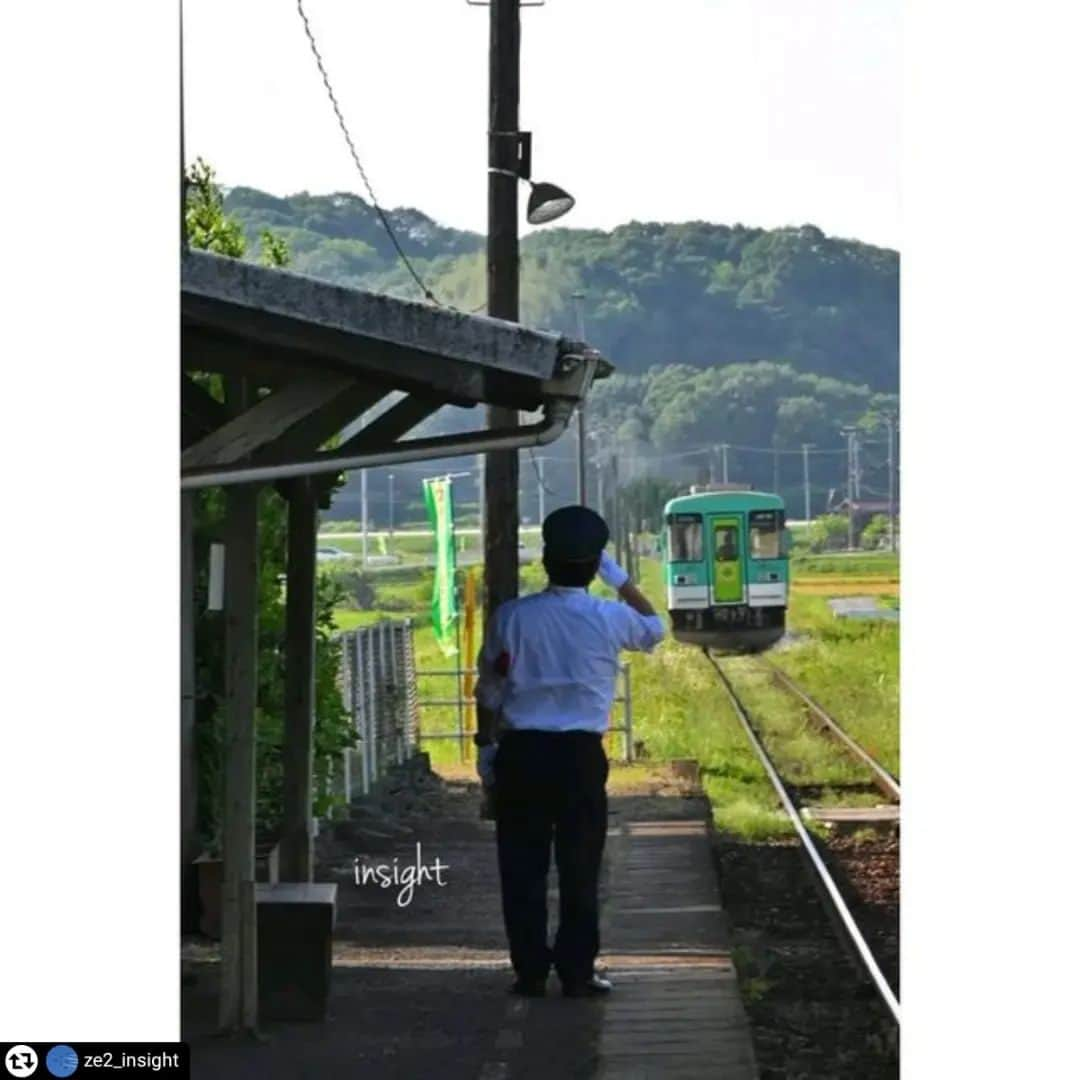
{"type": "Point", "coordinates": [693, 294]}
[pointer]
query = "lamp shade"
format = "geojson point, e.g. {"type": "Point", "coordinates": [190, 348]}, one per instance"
{"type": "Point", "coordinates": [546, 203]}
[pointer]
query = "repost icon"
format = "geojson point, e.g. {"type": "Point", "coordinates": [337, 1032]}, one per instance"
{"type": "Point", "coordinates": [21, 1060]}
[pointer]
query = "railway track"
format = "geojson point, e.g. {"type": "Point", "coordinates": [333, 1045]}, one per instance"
{"type": "Point", "coordinates": [882, 778]}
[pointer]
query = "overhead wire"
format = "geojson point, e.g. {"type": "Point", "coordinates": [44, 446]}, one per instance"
{"type": "Point", "coordinates": [421, 284]}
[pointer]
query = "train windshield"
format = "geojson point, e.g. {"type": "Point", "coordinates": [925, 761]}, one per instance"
{"type": "Point", "coordinates": [685, 535]}
{"type": "Point", "coordinates": [766, 529]}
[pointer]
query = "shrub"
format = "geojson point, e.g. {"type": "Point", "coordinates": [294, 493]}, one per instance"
{"type": "Point", "coordinates": [875, 533]}
{"type": "Point", "coordinates": [828, 533]}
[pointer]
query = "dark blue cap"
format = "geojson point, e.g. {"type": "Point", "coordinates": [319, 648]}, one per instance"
{"type": "Point", "coordinates": [574, 534]}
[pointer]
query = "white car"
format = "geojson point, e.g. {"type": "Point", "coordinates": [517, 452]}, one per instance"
{"type": "Point", "coordinates": [325, 553]}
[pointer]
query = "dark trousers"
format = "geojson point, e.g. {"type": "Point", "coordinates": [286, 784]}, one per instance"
{"type": "Point", "coordinates": [549, 786]}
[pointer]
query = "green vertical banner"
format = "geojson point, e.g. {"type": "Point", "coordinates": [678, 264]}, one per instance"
{"type": "Point", "coordinates": [439, 496]}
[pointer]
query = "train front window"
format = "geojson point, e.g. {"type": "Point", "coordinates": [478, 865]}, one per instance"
{"type": "Point", "coordinates": [685, 538]}
{"type": "Point", "coordinates": [766, 530]}
{"type": "Point", "coordinates": [726, 543]}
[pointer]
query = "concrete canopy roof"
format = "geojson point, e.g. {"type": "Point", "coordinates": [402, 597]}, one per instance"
{"type": "Point", "coordinates": [274, 326]}
{"type": "Point", "coordinates": [329, 354]}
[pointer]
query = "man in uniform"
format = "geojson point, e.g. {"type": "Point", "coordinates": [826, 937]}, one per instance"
{"type": "Point", "coordinates": [546, 683]}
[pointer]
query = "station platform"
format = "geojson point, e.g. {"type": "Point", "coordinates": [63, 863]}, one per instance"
{"type": "Point", "coordinates": [420, 990]}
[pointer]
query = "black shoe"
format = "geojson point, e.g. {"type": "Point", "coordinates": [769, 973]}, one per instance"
{"type": "Point", "coordinates": [530, 988]}
{"type": "Point", "coordinates": [592, 987]}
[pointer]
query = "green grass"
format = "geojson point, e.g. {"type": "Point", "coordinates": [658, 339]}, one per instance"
{"type": "Point", "coordinates": [852, 669]}
{"type": "Point", "coordinates": [869, 563]}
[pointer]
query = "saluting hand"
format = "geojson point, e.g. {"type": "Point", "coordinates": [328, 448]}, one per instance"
{"type": "Point", "coordinates": [611, 573]}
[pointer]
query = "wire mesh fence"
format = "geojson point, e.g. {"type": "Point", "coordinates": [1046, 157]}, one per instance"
{"type": "Point", "coordinates": [378, 686]}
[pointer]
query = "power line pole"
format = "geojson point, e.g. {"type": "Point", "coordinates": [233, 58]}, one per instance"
{"type": "Point", "coordinates": [723, 461]}
{"type": "Point", "coordinates": [850, 433]}
{"type": "Point", "coordinates": [540, 486]}
{"type": "Point", "coordinates": [776, 471]}
{"type": "Point", "coordinates": [480, 495]}
{"type": "Point", "coordinates": [857, 468]}
{"type": "Point", "coordinates": [616, 515]}
{"type": "Point", "coordinates": [582, 485]}
{"type": "Point", "coordinates": [806, 479]}
{"type": "Point", "coordinates": [391, 505]}
{"type": "Point", "coordinates": [363, 515]}
{"type": "Point", "coordinates": [889, 421]}
{"type": "Point", "coordinates": [501, 475]}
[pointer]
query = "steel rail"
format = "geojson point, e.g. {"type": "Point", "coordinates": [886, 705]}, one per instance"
{"type": "Point", "coordinates": [883, 779]}
{"type": "Point", "coordinates": [867, 957]}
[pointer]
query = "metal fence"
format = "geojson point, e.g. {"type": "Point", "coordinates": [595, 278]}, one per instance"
{"type": "Point", "coordinates": [466, 725]}
{"type": "Point", "coordinates": [378, 686]}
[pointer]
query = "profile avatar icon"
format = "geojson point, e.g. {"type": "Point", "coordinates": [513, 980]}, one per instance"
{"type": "Point", "coordinates": [61, 1060]}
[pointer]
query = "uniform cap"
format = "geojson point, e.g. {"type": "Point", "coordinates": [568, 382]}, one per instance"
{"type": "Point", "coordinates": [574, 534]}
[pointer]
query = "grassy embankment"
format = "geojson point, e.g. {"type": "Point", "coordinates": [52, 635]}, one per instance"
{"type": "Point", "coordinates": [680, 710]}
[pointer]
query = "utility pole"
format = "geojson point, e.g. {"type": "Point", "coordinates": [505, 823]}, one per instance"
{"type": "Point", "coordinates": [501, 471]}
{"type": "Point", "coordinates": [806, 479]}
{"type": "Point", "coordinates": [712, 465]}
{"type": "Point", "coordinates": [582, 486]}
{"type": "Point", "coordinates": [363, 515]}
{"type": "Point", "coordinates": [723, 461]}
{"type": "Point", "coordinates": [776, 471]}
{"type": "Point", "coordinates": [616, 517]}
{"type": "Point", "coordinates": [889, 421]}
{"type": "Point", "coordinates": [480, 496]}
{"type": "Point", "coordinates": [856, 468]}
{"type": "Point", "coordinates": [600, 486]}
{"type": "Point", "coordinates": [850, 433]}
{"type": "Point", "coordinates": [391, 530]}
{"type": "Point", "coordinates": [540, 486]}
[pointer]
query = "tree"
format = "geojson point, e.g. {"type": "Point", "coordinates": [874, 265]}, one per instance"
{"type": "Point", "coordinates": [691, 293]}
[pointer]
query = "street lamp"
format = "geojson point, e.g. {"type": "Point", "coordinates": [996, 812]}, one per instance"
{"type": "Point", "coordinates": [547, 202]}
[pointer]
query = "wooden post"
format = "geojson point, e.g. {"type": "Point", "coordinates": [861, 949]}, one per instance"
{"type": "Point", "coordinates": [239, 999]}
{"type": "Point", "coordinates": [297, 749]}
{"type": "Point", "coordinates": [188, 773]}
{"type": "Point", "coordinates": [501, 469]}
{"type": "Point", "coordinates": [470, 655]}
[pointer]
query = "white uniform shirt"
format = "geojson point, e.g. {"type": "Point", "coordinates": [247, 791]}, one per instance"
{"type": "Point", "coordinates": [550, 660]}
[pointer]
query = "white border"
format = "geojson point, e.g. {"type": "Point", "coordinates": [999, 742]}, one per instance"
{"type": "Point", "coordinates": [988, 362]}
{"type": "Point", "coordinates": [88, 438]}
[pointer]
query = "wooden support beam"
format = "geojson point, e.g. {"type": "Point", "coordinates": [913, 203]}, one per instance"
{"type": "Point", "coordinates": [239, 996]}
{"type": "Point", "coordinates": [188, 771]}
{"type": "Point", "coordinates": [239, 999]}
{"type": "Point", "coordinates": [269, 419]}
{"type": "Point", "coordinates": [200, 413]}
{"type": "Point", "coordinates": [306, 436]}
{"type": "Point", "coordinates": [383, 431]}
{"type": "Point", "coordinates": [296, 835]}
{"type": "Point", "coordinates": [389, 426]}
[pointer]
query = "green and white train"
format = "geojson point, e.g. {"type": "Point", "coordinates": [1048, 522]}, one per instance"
{"type": "Point", "coordinates": [726, 569]}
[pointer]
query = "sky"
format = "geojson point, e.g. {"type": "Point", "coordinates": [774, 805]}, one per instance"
{"type": "Point", "coordinates": [760, 112]}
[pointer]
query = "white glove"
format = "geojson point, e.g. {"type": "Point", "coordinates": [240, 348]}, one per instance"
{"type": "Point", "coordinates": [611, 573]}
{"type": "Point", "coordinates": [485, 763]}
